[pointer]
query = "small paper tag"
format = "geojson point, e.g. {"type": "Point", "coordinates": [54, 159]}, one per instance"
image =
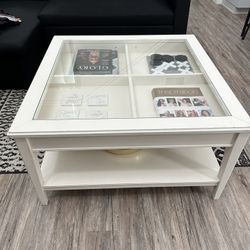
{"type": "Point", "coordinates": [72, 100]}
{"type": "Point", "coordinates": [96, 114]}
{"type": "Point", "coordinates": [67, 114]}
{"type": "Point", "coordinates": [98, 100]}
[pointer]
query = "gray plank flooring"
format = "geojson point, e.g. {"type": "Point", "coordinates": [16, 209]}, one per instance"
{"type": "Point", "coordinates": [152, 218]}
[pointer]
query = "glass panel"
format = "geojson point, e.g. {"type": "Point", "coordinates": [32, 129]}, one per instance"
{"type": "Point", "coordinates": [128, 79]}
{"type": "Point", "coordinates": [95, 58]}
{"type": "Point", "coordinates": [161, 58]}
{"type": "Point", "coordinates": [88, 98]}
{"type": "Point", "coordinates": [175, 96]}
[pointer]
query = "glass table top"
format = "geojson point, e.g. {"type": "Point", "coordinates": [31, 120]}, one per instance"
{"type": "Point", "coordinates": [128, 79]}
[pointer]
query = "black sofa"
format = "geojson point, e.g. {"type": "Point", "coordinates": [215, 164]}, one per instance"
{"type": "Point", "coordinates": [22, 46]}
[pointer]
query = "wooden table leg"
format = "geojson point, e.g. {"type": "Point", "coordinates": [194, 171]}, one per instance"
{"type": "Point", "coordinates": [230, 158]}
{"type": "Point", "coordinates": [32, 165]}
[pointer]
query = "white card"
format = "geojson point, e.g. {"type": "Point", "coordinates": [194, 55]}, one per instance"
{"type": "Point", "coordinates": [72, 99]}
{"type": "Point", "coordinates": [96, 114]}
{"type": "Point", "coordinates": [97, 100]}
{"type": "Point", "coordinates": [67, 114]}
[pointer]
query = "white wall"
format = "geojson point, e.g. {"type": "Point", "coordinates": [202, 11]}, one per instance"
{"type": "Point", "coordinates": [231, 5]}
{"type": "Point", "coordinates": [240, 3]}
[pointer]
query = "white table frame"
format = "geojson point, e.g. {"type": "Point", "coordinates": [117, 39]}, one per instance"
{"type": "Point", "coordinates": [32, 135]}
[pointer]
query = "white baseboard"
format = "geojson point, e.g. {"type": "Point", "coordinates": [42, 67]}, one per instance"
{"type": "Point", "coordinates": [231, 7]}
{"type": "Point", "coordinates": [218, 1]}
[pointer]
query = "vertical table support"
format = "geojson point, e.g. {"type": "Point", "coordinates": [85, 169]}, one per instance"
{"type": "Point", "coordinates": [246, 26]}
{"type": "Point", "coordinates": [230, 158]}
{"type": "Point", "coordinates": [32, 165]}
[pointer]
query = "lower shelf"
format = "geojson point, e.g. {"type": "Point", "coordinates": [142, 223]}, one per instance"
{"type": "Point", "coordinates": [146, 168]}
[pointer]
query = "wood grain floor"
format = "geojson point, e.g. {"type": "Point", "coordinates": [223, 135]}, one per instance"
{"type": "Point", "coordinates": [141, 219]}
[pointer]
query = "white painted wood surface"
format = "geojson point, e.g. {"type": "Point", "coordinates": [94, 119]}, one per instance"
{"type": "Point", "coordinates": [146, 168]}
{"type": "Point", "coordinates": [230, 158]}
{"type": "Point", "coordinates": [131, 141]}
{"type": "Point", "coordinates": [32, 165]}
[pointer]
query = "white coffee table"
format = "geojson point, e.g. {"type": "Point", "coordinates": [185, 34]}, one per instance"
{"type": "Point", "coordinates": [77, 116]}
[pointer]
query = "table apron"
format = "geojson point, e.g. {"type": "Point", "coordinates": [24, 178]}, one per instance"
{"type": "Point", "coordinates": [132, 141]}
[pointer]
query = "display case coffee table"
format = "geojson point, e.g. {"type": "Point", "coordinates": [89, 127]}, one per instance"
{"type": "Point", "coordinates": [128, 111]}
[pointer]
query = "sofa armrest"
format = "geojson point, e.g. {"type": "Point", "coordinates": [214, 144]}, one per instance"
{"type": "Point", "coordinates": [181, 12]}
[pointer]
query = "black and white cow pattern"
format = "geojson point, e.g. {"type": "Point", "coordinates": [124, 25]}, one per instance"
{"type": "Point", "coordinates": [243, 160]}
{"type": "Point", "coordinates": [10, 159]}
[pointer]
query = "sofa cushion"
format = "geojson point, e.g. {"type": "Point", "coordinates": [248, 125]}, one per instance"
{"type": "Point", "coordinates": [15, 37]}
{"type": "Point", "coordinates": [21, 47]}
{"type": "Point", "coordinates": [106, 12]}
